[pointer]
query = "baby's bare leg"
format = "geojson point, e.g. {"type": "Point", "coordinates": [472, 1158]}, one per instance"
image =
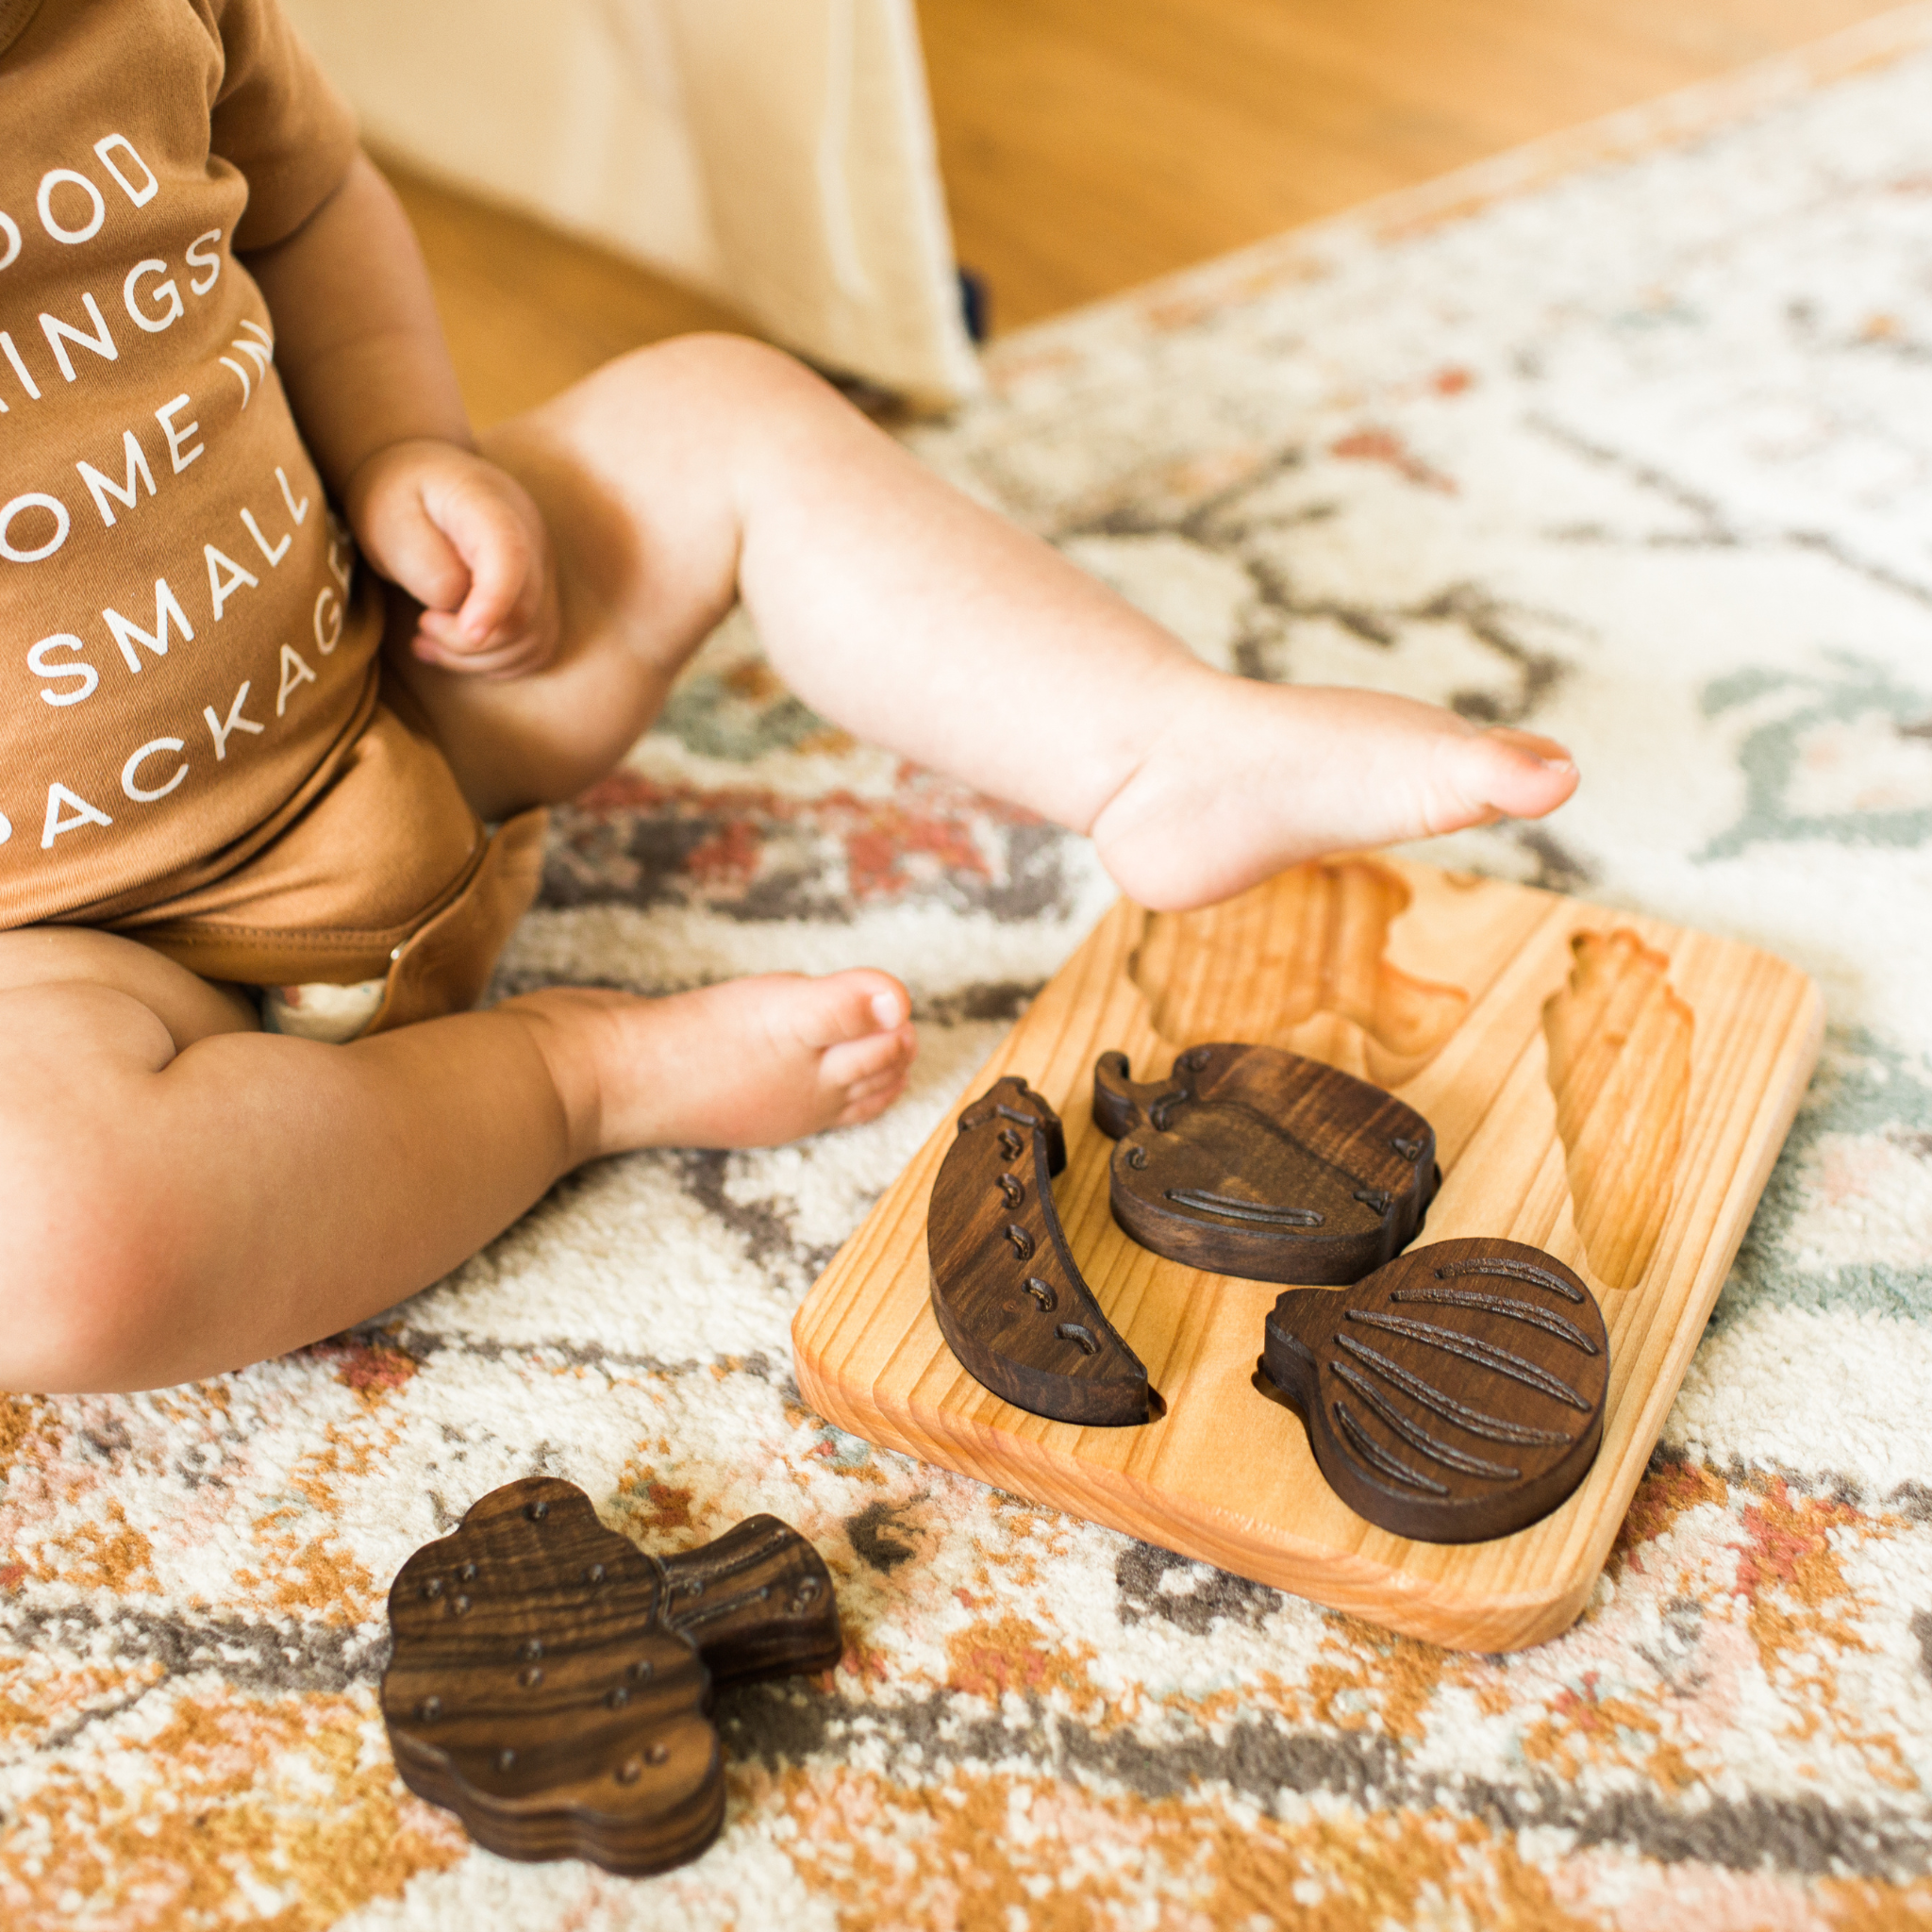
{"type": "Point", "coordinates": [183, 1194]}
{"type": "Point", "coordinates": [686, 475]}
{"type": "Point", "coordinates": [683, 477]}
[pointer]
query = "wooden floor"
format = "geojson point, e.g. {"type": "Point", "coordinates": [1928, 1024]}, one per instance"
{"type": "Point", "coordinates": [1092, 145]}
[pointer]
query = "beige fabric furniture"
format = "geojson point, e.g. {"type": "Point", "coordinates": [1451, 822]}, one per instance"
{"type": "Point", "coordinates": [776, 153]}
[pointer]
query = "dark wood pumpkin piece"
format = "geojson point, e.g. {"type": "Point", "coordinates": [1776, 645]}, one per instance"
{"type": "Point", "coordinates": [550, 1682]}
{"type": "Point", "coordinates": [1005, 1289]}
{"type": "Point", "coordinates": [1456, 1394]}
{"type": "Point", "coordinates": [1253, 1161]}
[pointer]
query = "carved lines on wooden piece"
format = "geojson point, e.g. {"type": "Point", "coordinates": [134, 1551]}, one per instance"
{"type": "Point", "coordinates": [1619, 1039]}
{"type": "Point", "coordinates": [550, 1681]}
{"type": "Point", "coordinates": [1455, 1396]}
{"type": "Point", "coordinates": [869, 1358]}
{"type": "Point", "coordinates": [1006, 1291]}
{"type": "Point", "coordinates": [1252, 1161]}
{"type": "Point", "coordinates": [1452, 1393]}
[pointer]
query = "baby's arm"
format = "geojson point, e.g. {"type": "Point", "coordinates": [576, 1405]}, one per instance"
{"type": "Point", "coordinates": [362, 358]}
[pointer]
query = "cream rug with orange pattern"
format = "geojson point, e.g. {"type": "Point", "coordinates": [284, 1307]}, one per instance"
{"type": "Point", "coordinates": [1630, 438]}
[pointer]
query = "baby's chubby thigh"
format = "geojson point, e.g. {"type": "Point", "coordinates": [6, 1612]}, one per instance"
{"type": "Point", "coordinates": [188, 1007]}
{"type": "Point", "coordinates": [90, 1026]}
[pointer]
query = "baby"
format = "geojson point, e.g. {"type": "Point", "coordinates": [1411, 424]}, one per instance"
{"type": "Point", "coordinates": [238, 758]}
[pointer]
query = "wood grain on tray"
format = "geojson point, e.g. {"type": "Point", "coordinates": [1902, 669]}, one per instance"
{"type": "Point", "coordinates": [1606, 1087]}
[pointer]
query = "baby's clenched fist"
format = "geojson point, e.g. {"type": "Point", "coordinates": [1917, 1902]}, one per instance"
{"type": "Point", "coordinates": [465, 539]}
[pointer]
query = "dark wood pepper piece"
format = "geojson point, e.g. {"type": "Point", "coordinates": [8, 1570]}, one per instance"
{"type": "Point", "coordinates": [550, 1682]}
{"type": "Point", "coordinates": [1253, 1161]}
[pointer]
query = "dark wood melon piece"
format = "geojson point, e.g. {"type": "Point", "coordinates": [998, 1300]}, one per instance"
{"type": "Point", "coordinates": [1009, 1298]}
{"type": "Point", "coordinates": [550, 1682]}
{"type": "Point", "coordinates": [1456, 1394]}
{"type": "Point", "coordinates": [1253, 1161]}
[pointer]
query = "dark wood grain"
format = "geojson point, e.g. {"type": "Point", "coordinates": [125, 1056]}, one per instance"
{"type": "Point", "coordinates": [1455, 1396]}
{"type": "Point", "coordinates": [550, 1682]}
{"type": "Point", "coordinates": [1254, 1162]}
{"type": "Point", "coordinates": [1008, 1297]}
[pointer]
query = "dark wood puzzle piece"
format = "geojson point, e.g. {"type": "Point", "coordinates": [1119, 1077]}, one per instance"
{"type": "Point", "coordinates": [1456, 1394]}
{"type": "Point", "coordinates": [1007, 1296]}
{"type": "Point", "coordinates": [1254, 1162]}
{"type": "Point", "coordinates": [550, 1681]}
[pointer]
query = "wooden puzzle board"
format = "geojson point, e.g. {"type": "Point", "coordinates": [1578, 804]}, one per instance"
{"type": "Point", "coordinates": [1610, 1087]}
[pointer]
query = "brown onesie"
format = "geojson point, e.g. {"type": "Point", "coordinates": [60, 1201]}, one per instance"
{"type": "Point", "coordinates": [199, 749]}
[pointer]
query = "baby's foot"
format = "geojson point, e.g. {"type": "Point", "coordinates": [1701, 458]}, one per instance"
{"type": "Point", "coordinates": [746, 1063]}
{"type": "Point", "coordinates": [1252, 778]}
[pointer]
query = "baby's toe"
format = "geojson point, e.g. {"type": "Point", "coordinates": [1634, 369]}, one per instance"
{"type": "Point", "coordinates": [869, 1084]}
{"type": "Point", "coordinates": [866, 1099]}
{"type": "Point", "coordinates": [848, 1008]}
{"type": "Point", "coordinates": [1518, 774]}
{"type": "Point", "coordinates": [856, 1063]}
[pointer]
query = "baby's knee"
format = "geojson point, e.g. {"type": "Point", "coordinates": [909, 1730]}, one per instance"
{"type": "Point", "coordinates": [725, 378]}
{"type": "Point", "coordinates": [81, 1279]}
{"type": "Point", "coordinates": [738, 363]}
{"type": "Point", "coordinates": [66, 1324]}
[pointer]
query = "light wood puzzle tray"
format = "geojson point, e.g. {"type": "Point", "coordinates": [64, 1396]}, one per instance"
{"type": "Point", "coordinates": [1606, 1087]}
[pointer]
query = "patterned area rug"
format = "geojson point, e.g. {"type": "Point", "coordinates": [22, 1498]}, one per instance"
{"type": "Point", "coordinates": [1629, 439]}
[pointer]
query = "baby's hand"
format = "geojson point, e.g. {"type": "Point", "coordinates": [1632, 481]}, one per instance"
{"type": "Point", "coordinates": [465, 539]}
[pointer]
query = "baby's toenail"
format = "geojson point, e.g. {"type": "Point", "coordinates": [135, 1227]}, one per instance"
{"type": "Point", "coordinates": [885, 1008]}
